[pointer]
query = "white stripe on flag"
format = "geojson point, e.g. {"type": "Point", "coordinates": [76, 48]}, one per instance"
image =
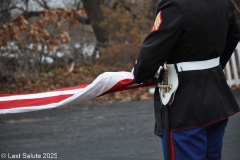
{"type": "Point", "coordinates": [99, 86]}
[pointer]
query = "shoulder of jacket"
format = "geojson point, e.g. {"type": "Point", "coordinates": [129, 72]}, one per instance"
{"type": "Point", "coordinates": [166, 3]}
{"type": "Point", "coordinates": [232, 5]}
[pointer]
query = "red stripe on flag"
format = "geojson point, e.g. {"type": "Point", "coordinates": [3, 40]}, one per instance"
{"type": "Point", "coordinates": [120, 86]}
{"type": "Point", "coordinates": [60, 89]}
{"type": "Point", "coordinates": [126, 85]}
{"type": "Point", "coordinates": [72, 88]}
{"type": "Point", "coordinates": [33, 102]}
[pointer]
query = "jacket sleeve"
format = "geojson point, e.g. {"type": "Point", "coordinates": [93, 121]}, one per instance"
{"type": "Point", "coordinates": [158, 45]}
{"type": "Point", "coordinates": [232, 38]}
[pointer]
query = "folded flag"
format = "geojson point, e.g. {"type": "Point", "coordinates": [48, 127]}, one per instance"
{"type": "Point", "coordinates": [105, 83]}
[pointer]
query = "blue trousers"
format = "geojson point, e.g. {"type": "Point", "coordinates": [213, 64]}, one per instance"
{"type": "Point", "coordinates": [202, 143]}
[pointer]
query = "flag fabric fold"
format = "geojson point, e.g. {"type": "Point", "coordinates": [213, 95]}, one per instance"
{"type": "Point", "coordinates": [105, 83]}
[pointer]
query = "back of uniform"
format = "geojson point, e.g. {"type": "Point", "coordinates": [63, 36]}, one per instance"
{"type": "Point", "coordinates": [190, 31]}
{"type": "Point", "coordinates": [193, 31]}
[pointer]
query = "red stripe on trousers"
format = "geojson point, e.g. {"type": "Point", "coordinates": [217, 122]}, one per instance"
{"type": "Point", "coordinates": [172, 147]}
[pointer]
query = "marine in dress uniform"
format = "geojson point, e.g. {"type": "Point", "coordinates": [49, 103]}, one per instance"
{"type": "Point", "coordinates": [190, 31]}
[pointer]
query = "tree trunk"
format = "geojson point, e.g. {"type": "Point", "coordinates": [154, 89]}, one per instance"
{"type": "Point", "coordinates": [95, 14]}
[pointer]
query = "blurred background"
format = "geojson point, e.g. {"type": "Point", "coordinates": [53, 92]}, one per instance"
{"type": "Point", "coordinates": [49, 44]}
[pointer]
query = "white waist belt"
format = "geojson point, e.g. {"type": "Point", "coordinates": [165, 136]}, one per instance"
{"type": "Point", "coordinates": [197, 65]}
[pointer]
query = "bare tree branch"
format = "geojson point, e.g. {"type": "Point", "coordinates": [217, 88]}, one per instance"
{"type": "Point", "coordinates": [43, 4]}
{"type": "Point", "coordinates": [27, 15]}
{"type": "Point", "coordinates": [5, 7]}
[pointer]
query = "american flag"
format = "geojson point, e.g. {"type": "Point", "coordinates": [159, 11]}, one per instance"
{"type": "Point", "coordinates": [105, 83]}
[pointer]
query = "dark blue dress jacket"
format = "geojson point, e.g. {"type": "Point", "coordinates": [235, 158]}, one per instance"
{"type": "Point", "coordinates": [193, 30]}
